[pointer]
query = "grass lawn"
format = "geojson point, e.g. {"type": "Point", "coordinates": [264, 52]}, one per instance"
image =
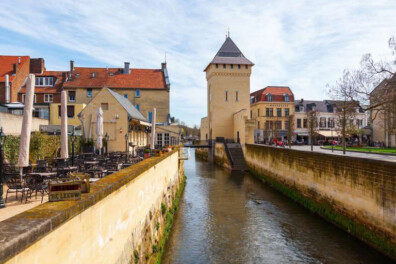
{"type": "Point", "coordinates": [366, 149]}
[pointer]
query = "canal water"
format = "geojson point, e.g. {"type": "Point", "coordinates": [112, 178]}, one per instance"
{"type": "Point", "coordinates": [231, 217]}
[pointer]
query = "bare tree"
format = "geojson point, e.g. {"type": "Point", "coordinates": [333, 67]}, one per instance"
{"type": "Point", "coordinates": [312, 121]}
{"type": "Point", "coordinates": [266, 132]}
{"type": "Point", "coordinates": [290, 129]}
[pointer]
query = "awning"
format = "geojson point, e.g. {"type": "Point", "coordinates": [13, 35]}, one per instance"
{"type": "Point", "coordinates": [144, 123]}
{"type": "Point", "coordinates": [302, 133]}
{"type": "Point", "coordinates": [327, 133]}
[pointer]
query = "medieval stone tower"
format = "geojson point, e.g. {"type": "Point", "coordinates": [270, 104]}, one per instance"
{"type": "Point", "coordinates": [228, 90]}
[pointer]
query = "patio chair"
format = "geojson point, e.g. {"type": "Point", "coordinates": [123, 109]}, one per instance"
{"type": "Point", "coordinates": [14, 185]}
{"type": "Point", "coordinates": [36, 183]}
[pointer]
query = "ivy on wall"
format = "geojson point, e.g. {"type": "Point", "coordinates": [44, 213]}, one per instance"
{"type": "Point", "coordinates": [41, 146]}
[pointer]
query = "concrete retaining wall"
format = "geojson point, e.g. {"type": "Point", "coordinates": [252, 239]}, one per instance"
{"type": "Point", "coordinates": [118, 222]}
{"type": "Point", "coordinates": [356, 194]}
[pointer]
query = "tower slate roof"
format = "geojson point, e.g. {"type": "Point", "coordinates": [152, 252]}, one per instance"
{"type": "Point", "coordinates": [229, 53]}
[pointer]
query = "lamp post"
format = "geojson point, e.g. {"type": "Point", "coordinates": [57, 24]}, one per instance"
{"type": "Point", "coordinates": [73, 138]}
{"type": "Point", "coordinates": [2, 140]}
{"type": "Point", "coordinates": [107, 145]}
{"type": "Point", "coordinates": [126, 145]}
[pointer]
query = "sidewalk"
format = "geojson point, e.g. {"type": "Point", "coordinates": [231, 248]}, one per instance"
{"type": "Point", "coordinates": [348, 153]}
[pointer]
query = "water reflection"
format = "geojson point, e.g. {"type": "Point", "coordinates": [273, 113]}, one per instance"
{"type": "Point", "coordinates": [229, 217]}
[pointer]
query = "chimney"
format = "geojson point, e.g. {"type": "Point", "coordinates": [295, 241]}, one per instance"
{"type": "Point", "coordinates": [15, 68]}
{"type": "Point", "coordinates": [7, 89]}
{"type": "Point", "coordinates": [163, 65]}
{"type": "Point", "coordinates": [19, 60]}
{"type": "Point", "coordinates": [71, 66]}
{"type": "Point", "coordinates": [93, 75]}
{"type": "Point", "coordinates": [126, 67]}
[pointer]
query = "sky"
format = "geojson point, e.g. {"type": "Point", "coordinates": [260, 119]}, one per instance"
{"type": "Point", "coordinates": [301, 44]}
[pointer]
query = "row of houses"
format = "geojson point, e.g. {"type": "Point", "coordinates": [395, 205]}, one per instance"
{"type": "Point", "coordinates": [126, 95]}
{"type": "Point", "coordinates": [233, 112]}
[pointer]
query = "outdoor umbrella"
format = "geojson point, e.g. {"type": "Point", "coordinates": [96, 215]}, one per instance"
{"type": "Point", "coordinates": [153, 129]}
{"type": "Point", "coordinates": [99, 128]}
{"type": "Point", "coordinates": [23, 158]}
{"type": "Point", "coordinates": [64, 145]}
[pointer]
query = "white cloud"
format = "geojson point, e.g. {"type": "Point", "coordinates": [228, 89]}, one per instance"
{"type": "Point", "coordinates": [303, 44]}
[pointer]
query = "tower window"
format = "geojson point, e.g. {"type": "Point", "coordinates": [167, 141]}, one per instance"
{"type": "Point", "coordinates": [246, 66]}
{"type": "Point", "coordinates": [224, 66]}
{"type": "Point", "coordinates": [217, 66]}
{"type": "Point", "coordinates": [239, 66]}
{"type": "Point", "coordinates": [226, 96]}
{"type": "Point", "coordinates": [236, 96]}
{"type": "Point", "coordinates": [232, 66]}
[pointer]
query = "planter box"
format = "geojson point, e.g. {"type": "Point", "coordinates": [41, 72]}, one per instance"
{"type": "Point", "coordinates": [64, 190]}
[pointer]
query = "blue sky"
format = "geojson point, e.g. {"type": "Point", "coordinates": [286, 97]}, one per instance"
{"type": "Point", "coordinates": [301, 44]}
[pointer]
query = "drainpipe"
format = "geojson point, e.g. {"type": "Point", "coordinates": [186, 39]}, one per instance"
{"type": "Point", "coordinates": [7, 89]}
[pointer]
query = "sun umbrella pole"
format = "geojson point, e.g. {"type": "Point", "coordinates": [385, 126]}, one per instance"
{"type": "Point", "coordinates": [64, 145]}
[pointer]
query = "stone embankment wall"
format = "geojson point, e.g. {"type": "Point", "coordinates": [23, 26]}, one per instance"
{"type": "Point", "coordinates": [358, 195]}
{"type": "Point", "coordinates": [12, 124]}
{"type": "Point", "coordinates": [122, 220]}
{"type": "Point", "coordinates": [220, 155]}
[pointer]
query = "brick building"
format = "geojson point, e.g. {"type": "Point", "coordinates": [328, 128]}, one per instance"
{"type": "Point", "coordinates": [144, 88]}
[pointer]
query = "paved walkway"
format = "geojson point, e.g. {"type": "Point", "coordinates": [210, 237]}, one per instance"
{"type": "Point", "coordinates": [348, 153]}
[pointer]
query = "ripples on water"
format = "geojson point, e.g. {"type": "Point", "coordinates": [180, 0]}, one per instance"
{"type": "Point", "coordinates": [230, 217]}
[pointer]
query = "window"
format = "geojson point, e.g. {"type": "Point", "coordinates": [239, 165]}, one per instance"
{"type": "Point", "coordinates": [239, 66]}
{"type": "Point", "coordinates": [236, 95]}
{"type": "Point", "coordinates": [267, 112]}
{"type": "Point", "coordinates": [72, 96]}
{"type": "Point", "coordinates": [287, 112]}
{"type": "Point", "coordinates": [232, 66]}
{"type": "Point", "coordinates": [278, 124]}
{"type": "Point", "coordinates": [286, 124]}
{"type": "Point", "coordinates": [44, 81]}
{"type": "Point", "coordinates": [70, 111]}
{"type": "Point", "coordinates": [287, 99]}
{"type": "Point", "coordinates": [159, 139]}
{"type": "Point", "coordinates": [217, 66]}
{"type": "Point", "coordinates": [89, 92]}
{"type": "Point", "coordinates": [258, 112]}
{"type": "Point", "coordinates": [48, 98]}
{"type": "Point", "coordinates": [258, 125]}
{"type": "Point", "coordinates": [224, 66]}
{"type": "Point", "coordinates": [150, 116]}
{"type": "Point", "coordinates": [279, 112]}
{"type": "Point", "coordinates": [251, 114]}
{"type": "Point", "coordinates": [23, 98]}
{"type": "Point", "coordinates": [298, 123]}
{"type": "Point", "coordinates": [138, 107]}
{"type": "Point", "coordinates": [305, 123]}
{"type": "Point", "coordinates": [330, 122]}
{"type": "Point", "coordinates": [126, 96]}
{"type": "Point", "coordinates": [301, 108]}
{"type": "Point", "coordinates": [246, 66]}
{"type": "Point", "coordinates": [166, 139]}
{"type": "Point", "coordinates": [226, 96]}
{"type": "Point", "coordinates": [322, 122]}
{"type": "Point", "coordinates": [271, 112]}
{"type": "Point", "coordinates": [137, 93]}
{"type": "Point", "coordinates": [105, 106]}
{"type": "Point", "coordinates": [271, 124]}
{"type": "Point", "coordinates": [269, 97]}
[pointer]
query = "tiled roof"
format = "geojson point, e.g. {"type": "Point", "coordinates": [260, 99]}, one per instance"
{"type": "Point", "coordinates": [128, 106]}
{"type": "Point", "coordinates": [7, 66]}
{"type": "Point", "coordinates": [229, 53]}
{"type": "Point", "coordinates": [320, 106]}
{"type": "Point", "coordinates": [277, 93]}
{"type": "Point", "coordinates": [57, 88]}
{"type": "Point", "coordinates": [114, 78]}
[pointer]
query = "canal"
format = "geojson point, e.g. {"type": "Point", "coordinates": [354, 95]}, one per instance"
{"type": "Point", "coordinates": [231, 217]}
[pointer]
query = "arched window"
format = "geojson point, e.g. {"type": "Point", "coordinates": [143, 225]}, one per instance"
{"type": "Point", "coordinates": [269, 97]}
{"type": "Point", "coordinates": [287, 98]}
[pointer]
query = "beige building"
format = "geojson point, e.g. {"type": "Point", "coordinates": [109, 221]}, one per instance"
{"type": "Point", "coordinates": [166, 135]}
{"type": "Point", "coordinates": [120, 117]}
{"type": "Point", "coordinates": [271, 108]}
{"type": "Point", "coordinates": [228, 92]}
{"type": "Point", "coordinates": [204, 129]}
{"type": "Point", "coordinates": [144, 88]}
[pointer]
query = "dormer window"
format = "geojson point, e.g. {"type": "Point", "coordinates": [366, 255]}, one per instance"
{"type": "Point", "coordinates": [269, 97]}
{"type": "Point", "coordinates": [313, 108]}
{"type": "Point", "coordinates": [287, 98]}
{"type": "Point", "coordinates": [301, 108]}
{"type": "Point", "coordinates": [44, 81]}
